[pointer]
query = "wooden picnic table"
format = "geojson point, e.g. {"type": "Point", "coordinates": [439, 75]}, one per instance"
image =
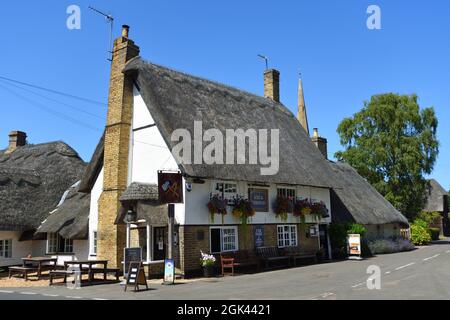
{"type": "Point", "coordinates": [40, 261]}
{"type": "Point", "coordinates": [90, 270]}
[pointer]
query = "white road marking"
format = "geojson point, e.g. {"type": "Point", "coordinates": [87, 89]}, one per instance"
{"type": "Point", "coordinates": [406, 265]}
{"type": "Point", "coordinates": [101, 299]}
{"type": "Point", "coordinates": [323, 295]}
{"type": "Point", "coordinates": [6, 291]}
{"type": "Point", "coordinates": [429, 258]}
{"type": "Point", "coordinates": [50, 295]}
{"type": "Point", "coordinates": [28, 293]}
{"type": "Point", "coordinates": [358, 285]}
{"type": "Point", "coordinates": [73, 297]}
{"type": "Point", "coordinates": [387, 272]}
{"type": "Point", "coordinates": [448, 251]}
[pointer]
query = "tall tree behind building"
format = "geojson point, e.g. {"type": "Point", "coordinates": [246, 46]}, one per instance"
{"type": "Point", "coordinates": [393, 144]}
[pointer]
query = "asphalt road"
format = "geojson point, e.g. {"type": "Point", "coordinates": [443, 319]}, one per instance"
{"type": "Point", "coordinates": [420, 274]}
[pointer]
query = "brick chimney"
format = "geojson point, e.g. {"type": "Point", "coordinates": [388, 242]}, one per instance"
{"type": "Point", "coordinates": [111, 237]}
{"type": "Point", "coordinates": [320, 143]}
{"type": "Point", "coordinates": [272, 84]}
{"type": "Point", "coordinates": [16, 139]}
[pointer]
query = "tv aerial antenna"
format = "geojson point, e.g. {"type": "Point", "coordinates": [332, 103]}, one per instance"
{"type": "Point", "coordinates": [265, 59]}
{"type": "Point", "coordinates": [109, 19]}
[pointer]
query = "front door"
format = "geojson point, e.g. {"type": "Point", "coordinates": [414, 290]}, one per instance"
{"type": "Point", "coordinates": [159, 243]}
{"type": "Point", "coordinates": [323, 232]}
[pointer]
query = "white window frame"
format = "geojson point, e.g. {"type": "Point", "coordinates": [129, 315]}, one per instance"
{"type": "Point", "coordinates": [287, 238]}
{"type": "Point", "coordinates": [52, 243]}
{"type": "Point", "coordinates": [4, 252]}
{"type": "Point", "coordinates": [94, 243]}
{"type": "Point", "coordinates": [68, 246]}
{"type": "Point", "coordinates": [222, 242]}
{"type": "Point", "coordinates": [222, 191]}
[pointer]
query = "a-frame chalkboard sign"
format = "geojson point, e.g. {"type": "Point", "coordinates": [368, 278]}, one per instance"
{"type": "Point", "coordinates": [136, 276]}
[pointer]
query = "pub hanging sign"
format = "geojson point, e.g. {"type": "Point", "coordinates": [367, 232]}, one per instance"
{"type": "Point", "coordinates": [170, 187]}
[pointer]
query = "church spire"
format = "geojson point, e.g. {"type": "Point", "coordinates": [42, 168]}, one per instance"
{"type": "Point", "coordinates": [302, 117]}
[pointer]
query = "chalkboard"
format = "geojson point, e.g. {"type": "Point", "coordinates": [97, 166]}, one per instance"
{"type": "Point", "coordinates": [131, 255]}
{"type": "Point", "coordinates": [259, 236]}
{"type": "Point", "coordinates": [136, 276]}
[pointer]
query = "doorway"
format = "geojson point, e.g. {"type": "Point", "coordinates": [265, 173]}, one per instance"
{"type": "Point", "coordinates": [159, 243]}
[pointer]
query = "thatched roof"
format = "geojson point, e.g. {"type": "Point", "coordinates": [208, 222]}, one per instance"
{"type": "Point", "coordinates": [71, 218]}
{"type": "Point", "coordinates": [435, 197]}
{"type": "Point", "coordinates": [175, 100]}
{"type": "Point", "coordinates": [32, 180]}
{"type": "Point", "coordinates": [140, 191]}
{"type": "Point", "coordinates": [93, 168]}
{"type": "Point", "coordinates": [359, 202]}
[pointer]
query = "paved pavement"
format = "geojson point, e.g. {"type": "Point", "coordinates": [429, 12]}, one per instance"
{"type": "Point", "coordinates": [420, 274]}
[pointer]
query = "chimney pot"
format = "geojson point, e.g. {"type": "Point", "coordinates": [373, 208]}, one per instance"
{"type": "Point", "coordinates": [16, 139]}
{"type": "Point", "coordinates": [125, 31]}
{"type": "Point", "coordinates": [321, 143]}
{"type": "Point", "coordinates": [316, 133]}
{"type": "Point", "coordinates": [272, 84]}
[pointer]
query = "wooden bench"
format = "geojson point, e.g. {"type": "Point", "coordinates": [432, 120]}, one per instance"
{"type": "Point", "coordinates": [105, 272]}
{"type": "Point", "coordinates": [296, 253]}
{"type": "Point", "coordinates": [236, 259]}
{"type": "Point", "coordinates": [271, 255]}
{"type": "Point", "coordinates": [63, 274]}
{"type": "Point", "coordinates": [24, 271]}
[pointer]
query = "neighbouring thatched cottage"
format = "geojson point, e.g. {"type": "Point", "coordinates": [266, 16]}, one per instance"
{"type": "Point", "coordinates": [437, 201]}
{"type": "Point", "coordinates": [147, 103]}
{"type": "Point", "coordinates": [33, 178]}
{"type": "Point", "coordinates": [361, 203]}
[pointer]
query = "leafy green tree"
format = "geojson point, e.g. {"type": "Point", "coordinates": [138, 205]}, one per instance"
{"type": "Point", "coordinates": [393, 144]}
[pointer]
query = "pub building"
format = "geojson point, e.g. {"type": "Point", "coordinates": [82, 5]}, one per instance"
{"type": "Point", "coordinates": [147, 103]}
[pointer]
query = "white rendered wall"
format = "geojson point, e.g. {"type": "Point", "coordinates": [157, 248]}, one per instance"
{"type": "Point", "coordinates": [93, 211]}
{"type": "Point", "coordinates": [20, 249]}
{"type": "Point", "coordinates": [148, 151]}
{"type": "Point", "coordinates": [197, 211]}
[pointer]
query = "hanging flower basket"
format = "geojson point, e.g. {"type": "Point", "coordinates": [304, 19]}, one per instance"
{"type": "Point", "coordinates": [302, 207]}
{"type": "Point", "coordinates": [320, 209]}
{"type": "Point", "coordinates": [282, 207]}
{"type": "Point", "coordinates": [217, 205]}
{"type": "Point", "coordinates": [242, 209]}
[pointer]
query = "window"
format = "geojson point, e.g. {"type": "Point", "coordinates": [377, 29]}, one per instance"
{"type": "Point", "coordinates": [6, 248]}
{"type": "Point", "coordinates": [68, 245]}
{"type": "Point", "coordinates": [57, 244]}
{"type": "Point", "coordinates": [287, 193]}
{"type": "Point", "coordinates": [287, 236]}
{"type": "Point", "coordinates": [224, 239]}
{"type": "Point", "coordinates": [52, 242]}
{"type": "Point", "coordinates": [226, 190]}
{"type": "Point", "coordinates": [94, 243]}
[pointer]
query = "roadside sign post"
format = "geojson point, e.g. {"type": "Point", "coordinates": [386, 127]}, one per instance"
{"type": "Point", "coordinates": [170, 191]}
{"type": "Point", "coordinates": [354, 246]}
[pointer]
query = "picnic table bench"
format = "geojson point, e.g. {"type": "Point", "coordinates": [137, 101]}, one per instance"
{"type": "Point", "coordinates": [242, 258]}
{"type": "Point", "coordinates": [272, 255]}
{"type": "Point", "coordinates": [79, 268]}
{"type": "Point", "coordinates": [296, 253]}
{"type": "Point", "coordinates": [24, 271]}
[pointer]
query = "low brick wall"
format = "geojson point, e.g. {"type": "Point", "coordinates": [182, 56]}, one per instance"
{"type": "Point", "coordinates": [193, 239]}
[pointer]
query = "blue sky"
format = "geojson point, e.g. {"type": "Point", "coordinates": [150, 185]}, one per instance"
{"type": "Point", "coordinates": [342, 62]}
